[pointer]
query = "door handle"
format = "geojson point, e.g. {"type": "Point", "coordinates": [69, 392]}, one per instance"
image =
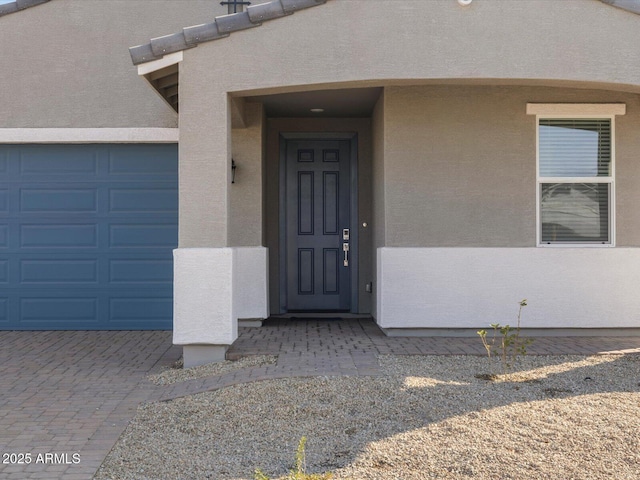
{"type": "Point", "coordinates": [345, 249]}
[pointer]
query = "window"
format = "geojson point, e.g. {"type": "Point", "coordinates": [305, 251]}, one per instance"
{"type": "Point", "coordinates": [575, 180]}
{"type": "Point", "coordinates": [575, 175]}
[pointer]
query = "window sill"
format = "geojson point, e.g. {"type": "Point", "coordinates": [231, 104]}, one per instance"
{"type": "Point", "coordinates": [576, 245]}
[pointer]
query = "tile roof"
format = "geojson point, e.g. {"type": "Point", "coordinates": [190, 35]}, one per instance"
{"type": "Point", "coordinates": [630, 5]}
{"type": "Point", "coordinates": [221, 27]}
{"type": "Point", "coordinates": [19, 5]}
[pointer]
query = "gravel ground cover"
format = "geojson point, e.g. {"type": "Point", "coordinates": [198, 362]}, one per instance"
{"type": "Point", "coordinates": [178, 374]}
{"type": "Point", "coordinates": [557, 417]}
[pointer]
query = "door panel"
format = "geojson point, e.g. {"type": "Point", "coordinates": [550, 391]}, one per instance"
{"type": "Point", "coordinates": [318, 199]}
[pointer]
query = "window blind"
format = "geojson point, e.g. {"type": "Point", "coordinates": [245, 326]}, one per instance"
{"type": "Point", "coordinates": [575, 148]}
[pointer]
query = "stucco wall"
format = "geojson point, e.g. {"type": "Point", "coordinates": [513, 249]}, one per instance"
{"type": "Point", "coordinates": [452, 288]}
{"type": "Point", "coordinates": [378, 134]}
{"type": "Point", "coordinates": [377, 184]}
{"type": "Point", "coordinates": [417, 44]}
{"type": "Point", "coordinates": [205, 162]}
{"type": "Point", "coordinates": [627, 175]}
{"type": "Point", "coordinates": [460, 165]}
{"type": "Point", "coordinates": [66, 63]}
{"type": "Point", "coordinates": [388, 41]}
{"type": "Point", "coordinates": [204, 307]}
{"type": "Point", "coordinates": [245, 195]}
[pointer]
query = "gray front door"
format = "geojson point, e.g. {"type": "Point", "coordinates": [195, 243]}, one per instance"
{"type": "Point", "coordinates": [318, 217]}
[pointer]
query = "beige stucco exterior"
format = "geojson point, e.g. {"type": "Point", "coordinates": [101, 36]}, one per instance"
{"type": "Point", "coordinates": [449, 155]}
{"type": "Point", "coordinates": [65, 63]}
{"type": "Point", "coordinates": [531, 44]}
{"type": "Point", "coordinates": [357, 41]}
{"type": "Point", "coordinates": [247, 222]}
{"type": "Point", "coordinates": [460, 164]}
{"type": "Point", "coordinates": [446, 154]}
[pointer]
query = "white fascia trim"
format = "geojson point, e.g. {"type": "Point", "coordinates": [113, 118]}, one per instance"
{"type": "Point", "coordinates": [576, 109]}
{"type": "Point", "coordinates": [159, 64]}
{"type": "Point", "coordinates": [89, 135]}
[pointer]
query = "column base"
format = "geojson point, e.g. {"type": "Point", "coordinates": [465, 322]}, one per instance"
{"type": "Point", "coordinates": [195, 355]}
{"type": "Point", "coordinates": [250, 322]}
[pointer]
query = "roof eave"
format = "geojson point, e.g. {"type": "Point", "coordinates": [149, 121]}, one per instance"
{"type": "Point", "coordinates": [632, 6]}
{"type": "Point", "coordinates": [19, 5]}
{"type": "Point", "coordinates": [221, 27]}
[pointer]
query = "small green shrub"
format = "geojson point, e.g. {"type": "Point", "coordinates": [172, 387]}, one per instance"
{"type": "Point", "coordinates": [300, 471]}
{"type": "Point", "coordinates": [511, 344]}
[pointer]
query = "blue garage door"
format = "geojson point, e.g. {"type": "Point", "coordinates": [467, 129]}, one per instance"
{"type": "Point", "coordinates": [86, 236]}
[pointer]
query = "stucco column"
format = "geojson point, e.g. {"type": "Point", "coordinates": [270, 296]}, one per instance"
{"type": "Point", "coordinates": [205, 166]}
{"type": "Point", "coordinates": [205, 322]}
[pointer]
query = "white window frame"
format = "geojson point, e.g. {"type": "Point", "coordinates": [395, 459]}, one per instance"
{"type": "Point", "coordinates": [598, 111]}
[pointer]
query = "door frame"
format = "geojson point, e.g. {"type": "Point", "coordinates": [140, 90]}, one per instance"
{"type": "Point", "coordinates": [352, 137]}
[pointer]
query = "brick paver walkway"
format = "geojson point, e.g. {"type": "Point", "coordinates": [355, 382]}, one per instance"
{"type": "Point", "coordinates": [74, 392]}
{"type": "Point", "coordinates": [69, 393]}
{"type": "Point", "coordinates": [349, 347]}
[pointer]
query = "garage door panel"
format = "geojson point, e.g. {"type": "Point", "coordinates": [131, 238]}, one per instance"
{"type": "Point", "coordinates": [59, 161]}
{"type": "Point", "coordinates": [140, 309]}
{"type": "Point", "coordinates": [126, 199]}
{"type": "Point", "coordinates": [58, 272]}
{"type": "Point", "coordinates": [134, 271]}
{"type": "Point", "coordinates": [89, 309]}
{"type": "Point", "coordinates": [82, 271]}
{"type": "Point", "coordinates": [59, 200]}
{"type": "Point", "coordinates": [4, 302]}
{"type": "Point", "coordinates": [4, 271]}
{"type": "Point", "coordinates": [147, 236]}
{"type": "Point", "coordinates": [136, 199]}
{"type": "Point", "coordinates": [87, 234]}
{"type": "Point", "coordinates": [155, 161]}
{"type": "Point", "coordinates": [65, 308]}
{"type": "Point", "coordinates": [58, 236]}
{"type": "Point", "coordinates": [4, 201]}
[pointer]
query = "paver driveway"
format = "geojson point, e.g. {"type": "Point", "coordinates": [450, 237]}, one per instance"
{"type": "Point", "coordinates": [66, 393]}
{"type": "Point", "coordinates": [69, 393]}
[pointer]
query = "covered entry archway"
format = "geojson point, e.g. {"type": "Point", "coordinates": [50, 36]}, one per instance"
{"type": "Point", "coordinates": [452, 163]}
{"type": "Point", "coordinates": [330, 130]}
